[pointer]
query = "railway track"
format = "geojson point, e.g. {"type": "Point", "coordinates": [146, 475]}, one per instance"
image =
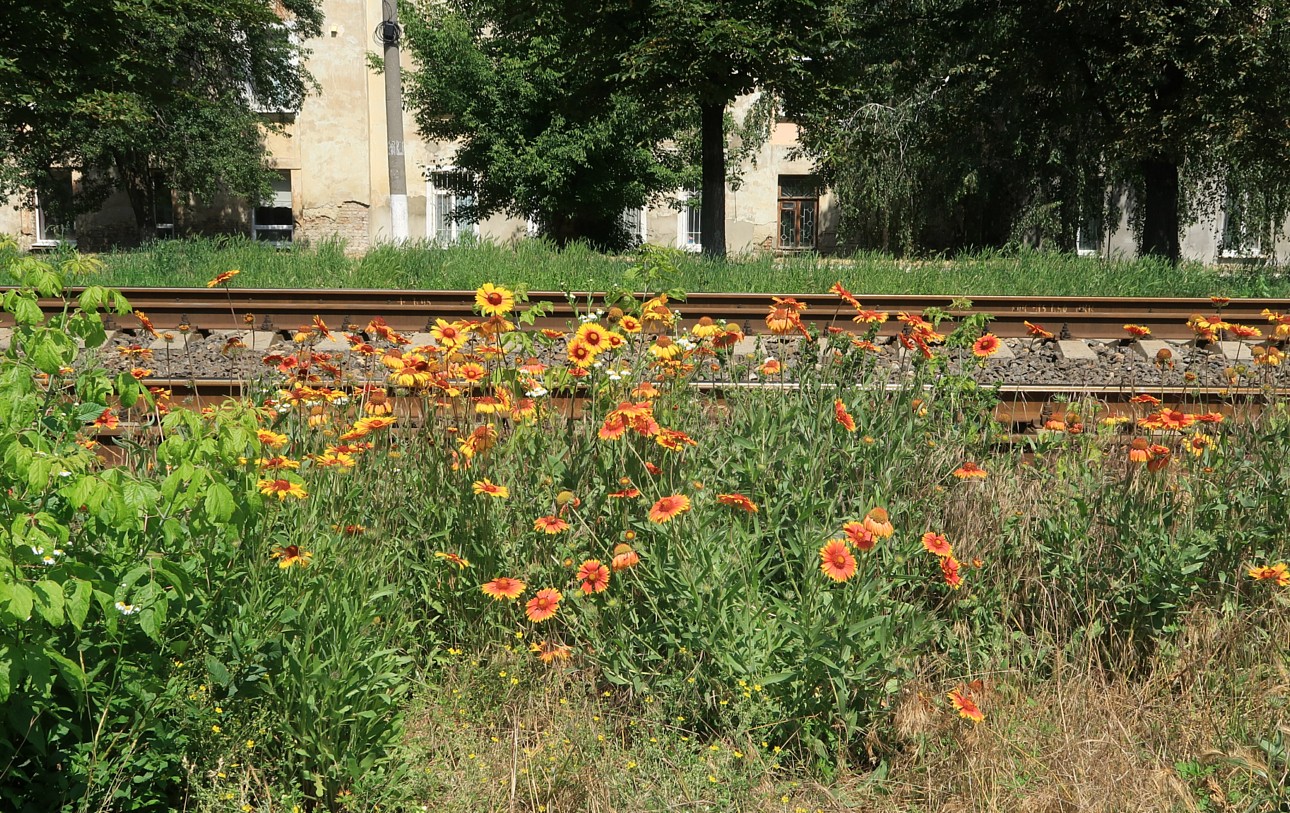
{"type": "Point", "coordinates": [203, 310]}
{"type": "Point", "coordinates": [1020, 408]}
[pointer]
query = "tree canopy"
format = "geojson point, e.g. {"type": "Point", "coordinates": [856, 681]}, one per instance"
{"type": "Point", "coordinates": [545, 130]}
{"type": "Point", "coordinates": [967, 122]}
{"type": "Point", "coordinates": [126, 92]}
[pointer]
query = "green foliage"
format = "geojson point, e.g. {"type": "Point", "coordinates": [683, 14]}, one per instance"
{"type": "Point", "coordinates": [545, 132]}
{"type": "Point", "coordinates": [1018, 122]}
{"type": "Point", "coordinates": [128, 91]}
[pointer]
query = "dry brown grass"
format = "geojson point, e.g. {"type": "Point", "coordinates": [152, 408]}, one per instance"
{"type": "Point", "coordinates": [1181, 736]}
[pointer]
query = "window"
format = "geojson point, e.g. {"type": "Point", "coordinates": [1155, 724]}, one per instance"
{"type": "Point", "coordinates": [1088, 238]}
{"type": "Point", "coordinates": [54, 221]}
{"type": "Point", "coordinates": [447, 191]}
{"type": "Point", "coordinates": [688, 235]}
{"type": "Point", "coordinates": [163, 208]}
{"type": "Point", "coordinates": [634, 221]}
{"type": "Point", "coordinates": [1239, 238]}
{"type": "Point", "coordinates": [799, 209]}
{"type": "Point", "coordinates": [274, 221]}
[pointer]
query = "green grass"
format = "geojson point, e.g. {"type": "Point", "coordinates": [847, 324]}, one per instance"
{"type": "Point", "coordinates": [540, 266]}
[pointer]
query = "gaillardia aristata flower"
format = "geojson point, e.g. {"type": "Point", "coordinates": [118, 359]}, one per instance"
{"type": "Point", "coordinates": [494, 300]}
{"type": "Point", "coordinates": [668, 507]}
{"type": "Point", "coordinates": [937, 545]}
{"type": "Point", "coordinates": [486, 486]}
{"type": "Point", "coordinates": [543, 605]}
{"type": "Point", "coordinates": [291, 555]}
{"type": "Point", "coordinates": [837, 561]}
{"type": "Point", "coordinates": [503, 588]}
{"type": "Point", "coordinates": [594, 576]}
{"type": "Point", "coordinates": [1278, 573]}
{"type": "Point", "coordinates": [550, 524]}
{"type": "Point", "coordinates": [859, 535]}
{"type": "Point", "coordinates": [969, 470]}
{"type": "Point", "coordinates": [986, 346]}
{"type": "Point", "coordinates": [453, 559]}
{"type": "Point", "coordinates": [843, 417]}
{"type": "Point", "coordinates": [878, 524]}
{"type": "Point", "coordinates": [625, 556]}
{"type": "Point", "coordinates": [966, 706]}
{"type": "Point", "coordinates": [282, 488]}
{"type": "Point", "coordinates": [738, 501]}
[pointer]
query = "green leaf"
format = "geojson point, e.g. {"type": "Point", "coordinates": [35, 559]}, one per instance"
{"type": "Point", "coordinates": [218, 672]}
{"type": "Point", "coordinates": [49, 601]}
{"type": "Point", "coordinates": [73, 675]}
{"type": "Point", "coordinates": [219, 503]}
{"type": "Point", "coordinates": [78, 603]}
{"type": "Point", "coordinates": [18, 599]}
{"type": "Point", "coordinates": [50, 349]}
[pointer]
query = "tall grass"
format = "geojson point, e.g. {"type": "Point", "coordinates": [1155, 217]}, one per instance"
{"type": "Point", "coordinates": [540, 266]}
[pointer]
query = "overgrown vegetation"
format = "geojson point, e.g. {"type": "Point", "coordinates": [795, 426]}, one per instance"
{"type": "Point", "coordinates": [801, 597]}
{"type": "Point", "coordinates": [539, 266]}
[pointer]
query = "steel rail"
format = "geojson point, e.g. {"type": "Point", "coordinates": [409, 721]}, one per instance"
{"type": "Point", "coordinates": [280, 310]}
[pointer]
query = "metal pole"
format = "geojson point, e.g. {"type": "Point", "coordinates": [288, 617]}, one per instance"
{"type": "Point", "coordinates": [394, 121]}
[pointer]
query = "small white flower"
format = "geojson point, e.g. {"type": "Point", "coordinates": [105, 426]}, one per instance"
{"type": "Point", "coordinates": [613, 376]}
{"type": "Point", "coordinates": [36, 550]}
{"type": "Point", "coordinates": [537, 392]}
{"type": "Point", "coordinates": [283, 409]}
{"type": "Point", "coordinates": [126, 609]}
{"type": "Point", "coordinates": [49, 560]}
{"type": "Point", "coordinates": [64, 474]}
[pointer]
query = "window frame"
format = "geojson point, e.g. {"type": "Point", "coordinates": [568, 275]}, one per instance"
{"type": "Point", "coordinates": [689, 239]}
{"type": "Point", "coordinates": [270, 229]}
{"type": "Point", "coordinates": [798, 202]}
{"type": "Point", "coordinates": [41, 240]}
{"type": "Point", "coordinates": [455, 225]}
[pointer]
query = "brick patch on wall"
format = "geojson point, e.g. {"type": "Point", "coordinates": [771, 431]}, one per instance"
{"type": "Point", "coordinates": [347, 220]}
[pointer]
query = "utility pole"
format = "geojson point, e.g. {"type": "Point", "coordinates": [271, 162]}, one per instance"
{"type": "Point", "coordinates": [389, 34]}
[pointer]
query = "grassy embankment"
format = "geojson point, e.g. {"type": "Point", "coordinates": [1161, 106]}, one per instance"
{"type": "Point", "coordinates": [538, 266]}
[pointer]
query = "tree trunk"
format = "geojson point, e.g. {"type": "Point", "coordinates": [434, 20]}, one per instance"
{"type": "Point", "coordinates": [712, 197]}
{"type": "Point", "coordinates": [138, 188]}
{"type": "Point", "coordinates": [1160, 209]}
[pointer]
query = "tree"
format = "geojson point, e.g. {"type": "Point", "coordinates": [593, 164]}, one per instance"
{"type": "Point", "coordinates": [703, 54]}
{"type": "Point", "coordinates": [544, 129]}
{"type": "Point", "coordinates": [1032, 111]}
{"type": "Point", "coordinates": [129, 92]}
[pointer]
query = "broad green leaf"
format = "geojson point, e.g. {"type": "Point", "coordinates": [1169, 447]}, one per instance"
{"type": "Point", "coordinates": [49, 601]}
{"type": "Point", "coordinates": [219, 503]}
{"type": "Point", "coordinates": [78, 602]}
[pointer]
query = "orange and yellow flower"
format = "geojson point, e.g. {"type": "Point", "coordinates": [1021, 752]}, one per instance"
{"type": "Point", "coordinates": [1278, 573]}
{"type": "Point", "coordinates": [222, 278]}
{"type": "Point", "coordinates": [860, 536]}
{"type": "Point", "coordinates": [503, 588]}
{"type": "Point", "coordinates": [969, 470]}
{"type": "Point", "coordinates": [543, 605]}
{"type": "Point", "coordinates": [1139, 451]}
{"type": "Point", "coordinates": [493, 300]}
{"type": "Point", "coordinates": [549, 652]}
{"type": "Point", "coordinates": [282, 488]}
{"type": "Point", "coordinates": [486, 486]}
{"type": "Point", "coordinates": [550, 525]}
{"type": "Point", "coordinates": [669, 507]}
{"type": "Point", "coordinates": [594, 576]}
{"type": "Point", "coordinates": [837, 561]}
{"type": "Point", "coordinates": [878, 523]}
{"type": "Point", "coordinates": [1138, 331]}
{"type": "Point", "coordinates": [937, 544]}
{"type": "Point", "coordinates": [625, 556]}
{"type": "Point", "coordinates": [842, 416]}
{"type": "Point", "coordinates": [452, 559]}
{"type": "Point", "coordinates": [965, 705]}
{"type": "Point", "coordinates": [107, 419]}
{"type": "Point", "coordinates": [986, 346]}
{"type": "Point", "coordinates": [950, 570]}
{"type": "Point", "coordinates": [290, 555]}
{"type": "Point", "coordinates": [738, 501]}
